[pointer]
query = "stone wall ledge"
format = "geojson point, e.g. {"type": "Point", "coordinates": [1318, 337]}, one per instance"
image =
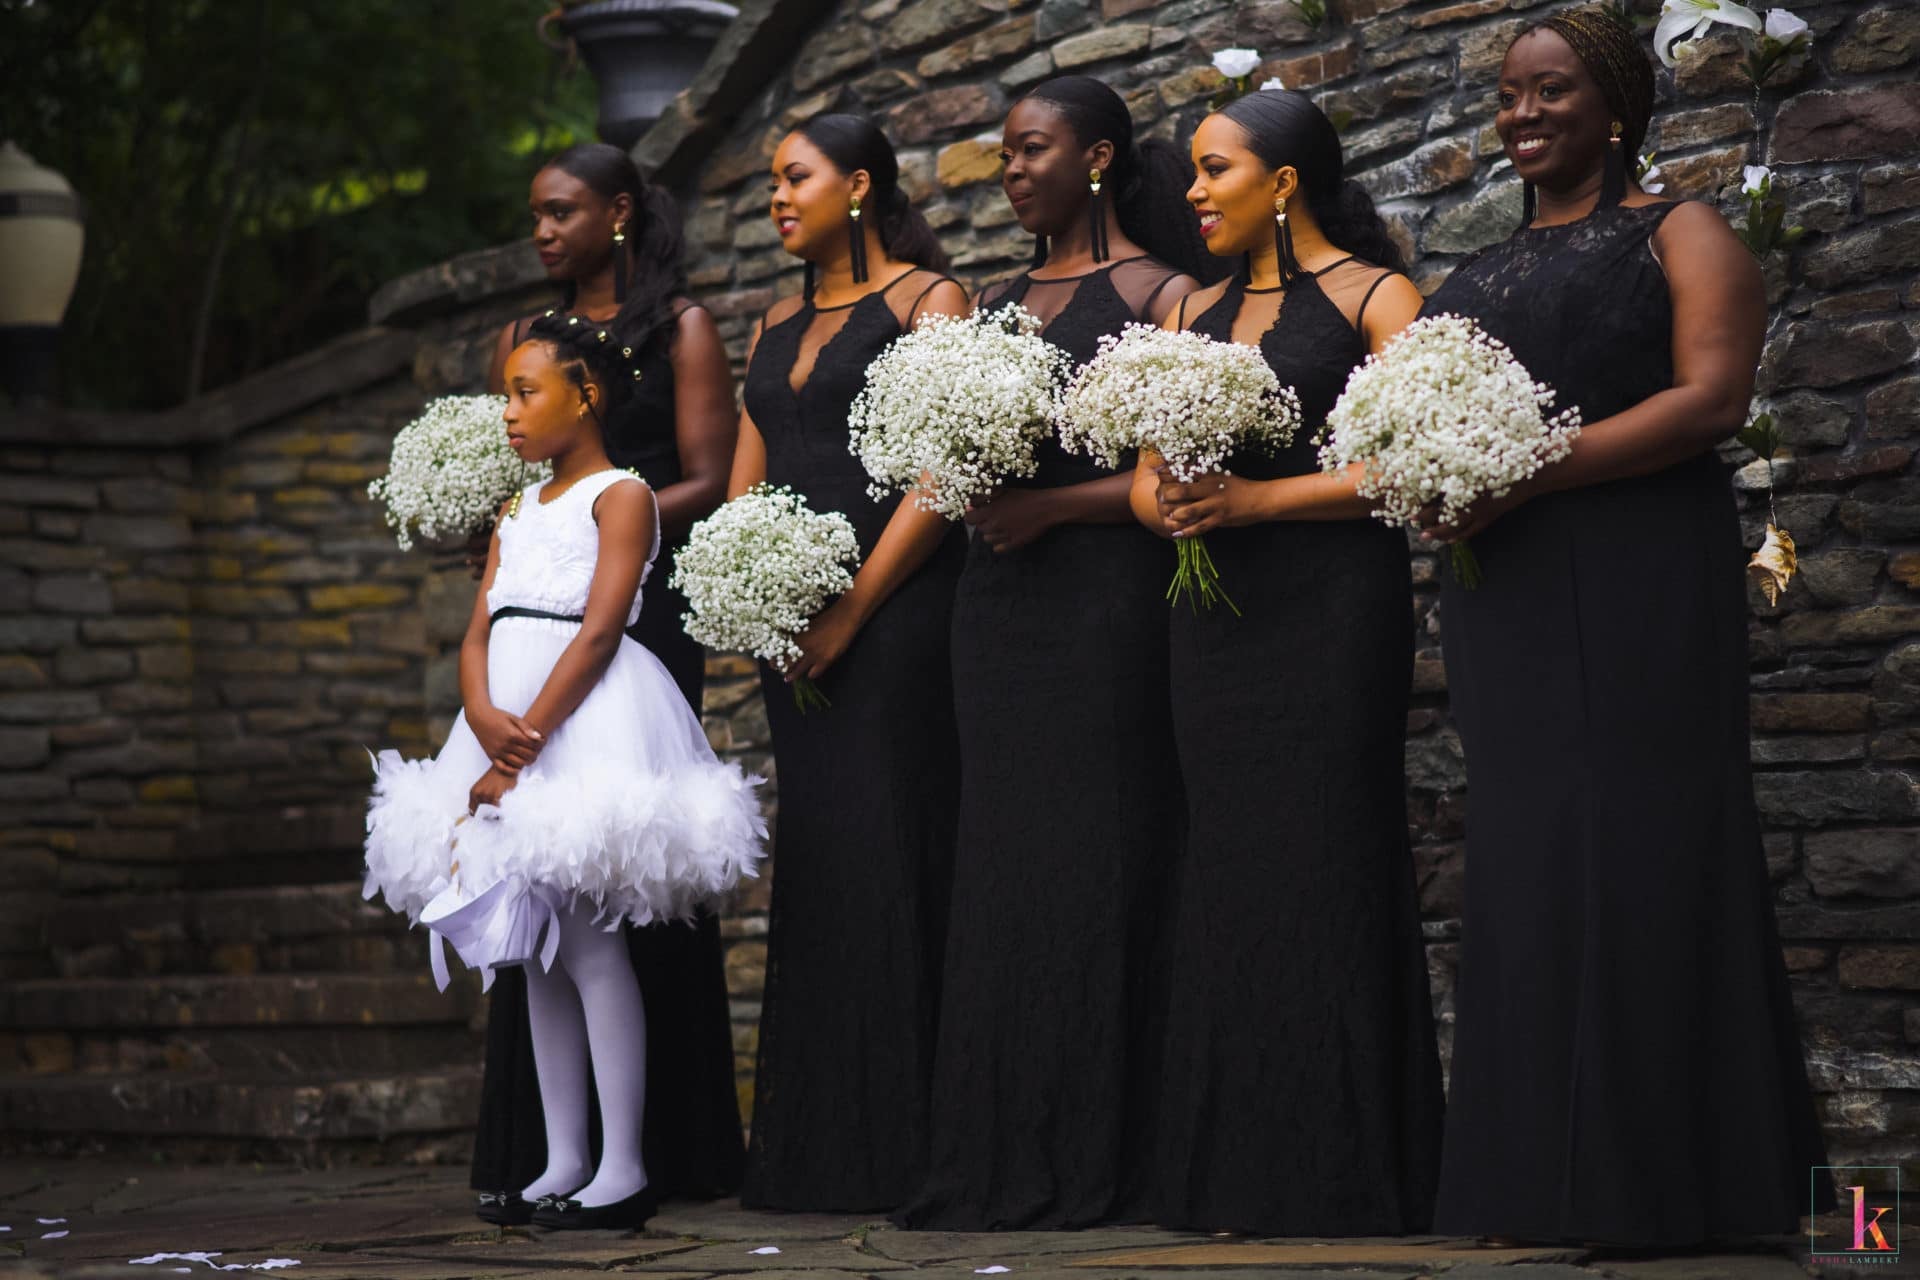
{"type": "Point", "coordinates": [752, 52]}
{"type": "Point", "coordinates": [456, 283]}
{"type": "Point", "coordinates": [343, 365]}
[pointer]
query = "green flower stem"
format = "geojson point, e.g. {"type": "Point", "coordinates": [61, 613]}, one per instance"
{"type": "Point", "coordinates": [1466, 566]}
{"type": "Point", "coordinates": [1196, 577]}
{"type": "Point", "coordinates": [807, 696]}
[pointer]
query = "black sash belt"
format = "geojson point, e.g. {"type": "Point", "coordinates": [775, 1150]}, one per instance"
{"type": "Point", "coordinates": [515, 611]}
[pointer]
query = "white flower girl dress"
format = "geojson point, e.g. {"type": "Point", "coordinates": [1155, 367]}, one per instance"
{"type": "Point", "coordinates": [626, 804]}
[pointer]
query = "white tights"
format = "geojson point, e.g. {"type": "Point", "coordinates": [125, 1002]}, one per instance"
{"type": "Point", "coordinates": [587, 1008]}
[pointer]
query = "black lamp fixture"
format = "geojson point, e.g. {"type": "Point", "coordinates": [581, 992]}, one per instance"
{"type": "Point", "coordinates": [641, 53]}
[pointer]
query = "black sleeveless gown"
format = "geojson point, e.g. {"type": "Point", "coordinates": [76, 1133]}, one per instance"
{"type": "Point", "coordinates": [1070, 814]}
{"type": "Point", "coordinates": [691, 1138]}
{"type": "Point", "coordinates": [863, 842]}
{"type": "Point", "coordinates": [1626, 1065]}
{"type": "Point", "coordinates": [1302, 1092]}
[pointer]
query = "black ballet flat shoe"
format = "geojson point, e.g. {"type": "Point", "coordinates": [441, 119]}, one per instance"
{"type": "Point", "coordinates": [503, 1208]}
{"type": "Point", "coordinates": [570, 1215]}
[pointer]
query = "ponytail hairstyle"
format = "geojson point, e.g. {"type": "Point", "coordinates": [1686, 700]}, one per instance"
{"type": "Point", "coordinates": [1149, 180]}
{"type": "Point", "coordinates": [1284, 128]}
{"type": "Point", "coordinates": [590, 353]}
{"type": "Point", "coordinates": [649, 269]}
{"type": "Point", "coordinates": [854, 143]}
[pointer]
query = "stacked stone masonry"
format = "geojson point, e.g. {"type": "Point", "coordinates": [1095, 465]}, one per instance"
{"type": "Point", "coordinates": [206, 626]}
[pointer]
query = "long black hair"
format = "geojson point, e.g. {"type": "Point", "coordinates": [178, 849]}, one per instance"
{"type": "Point", "coordinates": [655, 252]}
{"type": "Point", "coordinates": [590, 353]}
{"type": "Point", "coordinates": [853, 143]}
{"type": "Point", "coordinates": [1284, 127]}
{"type": "Point", "coordinates": [1149, 179]}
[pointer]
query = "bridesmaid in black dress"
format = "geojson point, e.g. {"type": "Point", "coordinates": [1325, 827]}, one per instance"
{"type": "Point", "coordinates": [1302, 1092]}
{"type": "Point", "coordinates": [1070, 808]}
{"type": "Point", "coordinates": [1626, 1065]}
{"type": "Point", "coordinates": [864, 839]}
{"type": "Point", "coordinates": [677, 430]}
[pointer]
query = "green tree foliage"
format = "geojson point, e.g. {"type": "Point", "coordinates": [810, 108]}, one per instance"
{"type": "Point", "coordinates": [253, 169]}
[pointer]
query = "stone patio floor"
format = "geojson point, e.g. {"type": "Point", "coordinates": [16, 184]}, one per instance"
{"type": "Point", "coordinates": [78, 1219]}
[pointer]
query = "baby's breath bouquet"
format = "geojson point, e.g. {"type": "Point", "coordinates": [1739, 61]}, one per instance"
{"type": "Point", "coordinates": [758, 570]}
{"type": "Point", "coordinates": [957, 406]}
{"type": "Point", "coordinates": [451, 469]}
{"type": "Point", "coordinates": [1191, 400]}
{"type": "Point", "coordinates": [1443, 414]}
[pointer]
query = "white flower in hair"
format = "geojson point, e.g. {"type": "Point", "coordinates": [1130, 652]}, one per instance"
{"type": "Point", "coordinates": [1236, 63]}
{"type": "Point", "coordinates": [1691, 19]}
{"type": "Point", "coordinates": [451, 469]}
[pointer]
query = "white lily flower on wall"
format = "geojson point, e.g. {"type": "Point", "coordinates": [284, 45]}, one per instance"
{"type": "Point", "coordinates": [1784, 26]}
{"type": "Point", "coordinates": [1754, 179]}
{"type": "Point", "coordinates": [1691, 19]}
{"type": "Point", "coordinates": [1235, 63]}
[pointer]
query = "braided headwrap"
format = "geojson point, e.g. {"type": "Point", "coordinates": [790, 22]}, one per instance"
{"type": "Point", "coordinates": [588, 352]}
{"type": "Point", "coordinates": [1611, 52]}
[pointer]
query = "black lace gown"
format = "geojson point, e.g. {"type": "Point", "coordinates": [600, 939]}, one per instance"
{"type": "Point", "coordinates": [1070, 815]}
{"type": "Point", "coordinates": [1302, 1092]}
{"type": "Point", "coordinates": [1626, 1064]}
{"type": "Point", "coordinates": [863, 844]}
{"type": "Point", "coordinates": [691, 1137]}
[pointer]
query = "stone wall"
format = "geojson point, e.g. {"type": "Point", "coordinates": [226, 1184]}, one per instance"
{"type": "Point", "coordinates": [205, 622]}
{"type": "Point", "coordinates": [205, 626]}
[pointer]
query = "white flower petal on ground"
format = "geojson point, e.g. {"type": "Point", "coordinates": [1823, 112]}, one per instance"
{"type": "Point", "coordinates": [1755, 178]}
{"type": "Point", "coordinates": [1784, 26]}
{"type": "Point", "coordinates": [1235, 63]}
{"type": "Point", "coordinates": [766, 1249]}
{"type": "Point", "coordinates": [1691, 19]}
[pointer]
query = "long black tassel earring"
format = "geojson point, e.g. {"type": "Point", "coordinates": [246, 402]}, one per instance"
{"type": "Point", "coordinates": [1283, 243]}
{"type": "Point", "coordinates": [1096, 217]}
{"type": "Point", "coordinates": [1613, 178]}
{"type": "Point", "coordinates": [857, 242]}
{"type": "Point", "coordinates": [621, 261]}
{"type": "Point", "coordinates": [1529, 204]}
{"type": "Point", "coordinates": [1039, 253]}
{"type": "Point", "coordinates": [806, 288]}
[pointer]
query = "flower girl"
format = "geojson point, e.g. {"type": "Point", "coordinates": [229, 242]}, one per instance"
{"type": "Point", "coordinates": [576, 790]}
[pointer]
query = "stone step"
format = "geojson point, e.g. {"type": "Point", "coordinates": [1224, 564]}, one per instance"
{"type": "Point", "coordinates": [97, 1005]}
{"type": "Point", "coordinates": [338, 1108]}
{"type": "Point", "coordinates": [274, 929]}
{"type": "Point", "coordinates": [293, 1053]}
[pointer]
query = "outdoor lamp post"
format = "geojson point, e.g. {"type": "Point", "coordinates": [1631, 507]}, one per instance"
{"type": "Point", "coordinates": [642, 53]}
{"type": "Point", "coordinates": [41, 236]}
